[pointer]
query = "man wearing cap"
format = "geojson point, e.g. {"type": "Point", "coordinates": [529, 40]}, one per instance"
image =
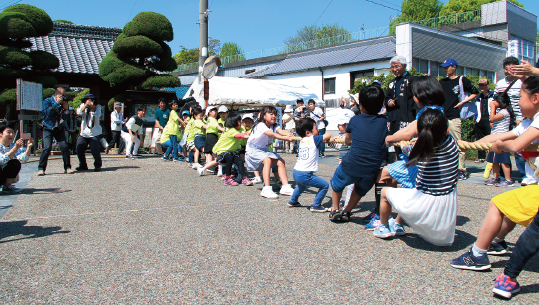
{"type": "Point", "coordinates": [482, 123]}
{"type": "Point", "coordinates": [161, 119]}
{"type": "Point", "coordinates": [54, 126]}
{"type": "Point", "coordinates": [452, 92]}
{"type": "Point", "coordinates": [116, 122]}
{"type": "Point", "coordinates": [90, 132]}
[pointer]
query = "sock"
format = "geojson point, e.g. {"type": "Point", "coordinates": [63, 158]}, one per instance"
{"type": "Point", "coordinates": [498, 240]}
{"type": "Point", "coordinates": [478, 252]}
{"type": "Point", "coordinates": [378, 195]}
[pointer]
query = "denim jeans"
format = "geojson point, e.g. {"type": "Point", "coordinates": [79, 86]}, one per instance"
{"type": "Point", "coordinates": [82, 145]}
{"type": "Point", "coordinates": [173, 147]}
{"type": "Point", "coordinates": [521, 164]}
{"type": "Point", "coordinates": [305, 179]}
{"type": "Point", "coordinates": [59, 135]}
{"type": "Point", "coordinates": [322, 146]}
{"type": "Point", "coordinates": [526, 247]}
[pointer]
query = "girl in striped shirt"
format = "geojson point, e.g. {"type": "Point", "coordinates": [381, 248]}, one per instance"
{"type": "Point", "coordinates": [501, 116]}
{"type": "Point", "coordinates": [431, 207]}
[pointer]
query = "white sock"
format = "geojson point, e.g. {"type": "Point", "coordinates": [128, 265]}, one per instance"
{"type": "Point", "coordinates": [478, 252]}
{"type": "Point", "coordinates": [287, 185]}
{"type": "Point", "coordinates": [498, 240]}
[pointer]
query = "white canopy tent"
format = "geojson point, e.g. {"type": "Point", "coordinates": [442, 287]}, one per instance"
{"type": "Point", "coordinates": [242, 93]}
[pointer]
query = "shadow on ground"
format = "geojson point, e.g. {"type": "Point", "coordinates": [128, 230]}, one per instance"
{"type": "Point", "coordinates": [16, 228]}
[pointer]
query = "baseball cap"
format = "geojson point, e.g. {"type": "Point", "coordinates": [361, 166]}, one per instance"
{"type": "Point", "coordinates": [222, 109]}
{"type": "Point", "coordinates": [483, 81]}
{"type": "Point", "coordinates": [185, 112]}
{"type": "Point", "coordinates": [90, 96]}
{"type": "Point", "coordinates": [376, 82]}
{"type": "Point", "coordinates": [248, 116]}
{"type": "Point", "coordinates": [117, 105]}
{"type": "Point", "coordinates": [449, 62]}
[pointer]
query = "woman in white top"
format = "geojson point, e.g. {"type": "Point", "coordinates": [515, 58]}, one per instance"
{"type": "Point", "coordinates": [90, 132]}
{"type": "Point", "coordinates": [257, 151]}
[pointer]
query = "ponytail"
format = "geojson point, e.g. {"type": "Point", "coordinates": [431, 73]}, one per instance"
{"type": "Point", "coordinates": [432, 128]}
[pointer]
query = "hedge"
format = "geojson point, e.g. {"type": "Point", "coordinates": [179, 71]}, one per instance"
{"type": "Point", "coordinates": [160, 81]}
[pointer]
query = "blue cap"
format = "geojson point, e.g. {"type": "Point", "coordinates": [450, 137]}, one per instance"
{"type": "Point", "coordinates": [70, 108]}
{"type": "Point", "coordinates": [376, 82]}
{"type": "Point", "coordinates": [90, 96]}
{"type": "Point", "coordinates": [449, 62]}
{"type": "Point", "coordinates": [185, 112]}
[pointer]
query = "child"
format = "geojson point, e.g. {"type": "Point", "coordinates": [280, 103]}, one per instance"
{"type": "Point", "coordinates": [431, 207]}
{"type": "Point", "coordinates": [190, 138]}
{"type": "Point", "coordinates": [200, 135]}
{"type": "Point", "coordinates": [428, 93]}
{"type": "Point", "coordinates": [516, 206]}
{"type": "Point", "coordinates": [226, 150]}
{"type": "Point", "coordinates": [343, 150]}
{"type": "Point", "coordinates": [307, 165]}
{"type": "Point", "coordinates": [212, 134]}
{"type": "Point", "coordinates": [223, 113]}
{"type": "Point", "coordinates": [172, 132]}
{"type": "Point", "coordinates": [501, 115]}
{"type": "Point", "coordinates": [257, 151]}
{"type": "Point", "coordinates": [366, 132]}
{"type": "Point", "coordinates": [11, 156]}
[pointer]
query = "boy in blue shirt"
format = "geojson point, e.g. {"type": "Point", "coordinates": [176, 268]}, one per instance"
{"type": "Point", "coordinates": [307, 164]}
{"type": "Point", "coordinates": [365, 134]}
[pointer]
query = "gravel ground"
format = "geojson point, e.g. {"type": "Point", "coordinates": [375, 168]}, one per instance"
{"type": "Point", "coordinates": [149, 231]}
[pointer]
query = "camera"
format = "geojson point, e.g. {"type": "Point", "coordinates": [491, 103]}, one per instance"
{"type": "Point", "coordinates": [64, 98]}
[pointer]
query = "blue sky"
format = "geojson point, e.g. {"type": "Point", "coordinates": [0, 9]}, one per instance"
{"type": "Point", "coordinates": [253, 25]}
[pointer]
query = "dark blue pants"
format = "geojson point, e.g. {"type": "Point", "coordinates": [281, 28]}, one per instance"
{"type": "Point", "coordinates": [60, 137]}
{"type": "Point", "coordinates": [527, 246]}
{"type": "Point", "coordinates": [322, 146]}
{"type": "Point", "coordinates": [82, 145]}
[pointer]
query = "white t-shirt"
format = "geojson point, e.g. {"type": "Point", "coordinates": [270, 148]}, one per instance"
{"type": "Point", "coordinates": [522, 127]}
{"type": "Point", "coordinates": [316, 114]}
{"type": "Point", "coordinates": [258, 138]}
{"type": "Point", "coordinates": [514, 94]}
{"type": "Point", "coordinates": [308, 154]}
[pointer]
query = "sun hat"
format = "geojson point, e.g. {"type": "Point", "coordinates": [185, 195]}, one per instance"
{"type": "Point", "coordinates": [222, 109]}
{"type": "Point", "coordinates": [247, 116]}
{"type": "Point", "coordinates": [288, 108]}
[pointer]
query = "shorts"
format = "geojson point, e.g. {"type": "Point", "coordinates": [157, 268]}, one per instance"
{"type": "Point", "coordinates": [221, 157]}
{"type": "Point", "coordinates": [504, 157]}
{"type": "Point", "coordinates": [190, 146]}
{"type": "Point", "coordinates": [405, 176]}
{"type": "Point", "coordinates": [211, 140]}
{"type": "Point", "coordinates": [519, 205]}
{"type": "Point", "coordinates": [200, 141]}
{"type": "Point", "coordinates": [340, 180]}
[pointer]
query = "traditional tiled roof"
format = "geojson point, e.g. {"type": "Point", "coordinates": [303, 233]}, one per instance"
{"type": "Point", "coordinates": [351, 53]}
{"type": "Point", "coordinates": [80, 48]}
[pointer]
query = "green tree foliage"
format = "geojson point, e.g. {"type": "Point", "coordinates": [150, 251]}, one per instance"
{"type": "Point", "coordinates": [48, 92]}
{"type": "Point", "coordinates": [384, 79]}
{"type": "Point", "coordinates": [77, 100]}
{"type": "Point", "coordinates": [141, 52]}
{"type": "Point", "coordinates": [117, 98]}
{"type": "Point", "coordinates": [186, 56]}
{"type": "Point", "coordinates": [232, 49]}
{"type": "Point", "coordinates": [460, 6]}
{"type": "Point", "coordinates": [63, 21]}
{"type": "Point", "coordinates": [310, 37]}
{"type": "Point", "coordinates": [415, 10]}
{"type": "Point", "coordinates": [8, 96]}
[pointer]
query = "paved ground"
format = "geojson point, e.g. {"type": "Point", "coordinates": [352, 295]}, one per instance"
{"type": "Point", "coordinates": [149, 231]}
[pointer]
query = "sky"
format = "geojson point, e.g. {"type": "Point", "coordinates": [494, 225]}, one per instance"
{"type": "Point", "coordinates": [252, 24]}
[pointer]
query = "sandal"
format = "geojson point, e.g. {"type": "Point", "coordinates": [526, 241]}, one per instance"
{"type": "Point", "coordinates": [345, 216]}
{"type": "Point", "coordinates": [335, 216]}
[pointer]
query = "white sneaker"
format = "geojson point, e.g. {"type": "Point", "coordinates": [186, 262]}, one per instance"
{"type": "Point", "coordinates": [256, 180]}
{"type": "Point", "coordinates": [196, 165]}
{"type": "Point", "coordinates": [286, 190]}
{"type": "Point", "coordinates": [220, 173]}
{"type": "Point", "coordinates": [201, 171]}
{"type": "Point", "coordinates": [268, 193]}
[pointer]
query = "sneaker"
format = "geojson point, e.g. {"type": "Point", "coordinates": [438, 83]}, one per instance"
{"type": "Point", "coordinates": [318, 209]}
{"type": "Point", "coordinates": [321, 155]}
{"type": "Point", "coordinates": [503, 286]}
{"type": "Point", "coordinates": [246, 181]}
{"type": "Point", "coordinates": [256, 180]}
{"type": "Point", "coordinates": [369, 217]}
{"type": "Point", "coordinates": [68, 171]}
{"type": "Point", "coordinates": [373, 223]}
{"type": "Point", "coordinates": [195, 165]}
{"type": "Point", "coordinates": [294, 204]}
{"type": "Point", "coordinates": [497, 248]}
{"type": "Point", "coordinates": [200, 171]}
{"type": "Point", "coordinates": [97, 169]}
{"type": "Point", "coordinates": [469, 262]}
{"type": "Point", "coordinates": [230, 181]}
{"type": "Point", "coordinates": [397, 228]}
{"type": "Point", "coordinates": [383, 231]}
{"type": "Point", "coordinates": [505, 183]}
{"type": "Point", "coordinates": [492, 181]}
{"type": "Point", "coordinates": [286, 190]}
{"type": "Point", "coordinates": [268, 193]}
{"type": "Point", "coordinates": [179, 159]}
{"type": "Point", "coordinates": [167, 158]}
{"type": "Point", "coordinates": [10, 189]}
{"type": "Point", "coordinates": [81, 168]}
{"type": "Point", "coordinates": [219, 173]}
{"type": "Point", "coordinates": [129, 157]}
{"type": "Point", "coordinates": [461, 176]}
{"type": "Point", "coordinates": [224, 177]}
{"type": "Point", "coordinates": [479, 161]}
{"type": "Point", "coordinates": [40, 173]}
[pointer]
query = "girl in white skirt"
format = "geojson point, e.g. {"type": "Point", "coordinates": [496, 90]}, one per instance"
{"type": "Point", "coordinates": [431, 207]}
{"type": "Point", "coordinates": [257, 152]}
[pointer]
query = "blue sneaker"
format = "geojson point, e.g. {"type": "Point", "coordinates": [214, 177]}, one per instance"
{"type": "Point", "coordinates": [396, 227]}
{"type": "Point", "coordinates": [503, 286]}
{"type": "Point", "coordinates": [319, 209]}
{"type": "Point", "coordinates": [368, 217]}
{"type": "Point", "coordinates": [383, 231]}
{"type": "Point", "coordinates": [469, 262]}
{"type": "Point", "coordinates": [373, 223]}
{"type": "Point", "coordinates": [167, 158]}
{"type": "Point", "coordinates": [179, 159]}
{"type": "Point", "coordinates": [294, 204]}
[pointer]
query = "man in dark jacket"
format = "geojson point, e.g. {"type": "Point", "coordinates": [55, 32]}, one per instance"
{"type": "Point", "coordinates": [54, 126]}
{"type": "Point", "coordinates": [399, 101]}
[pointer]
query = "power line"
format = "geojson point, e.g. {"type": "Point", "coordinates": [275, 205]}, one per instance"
{"type": "Point", "coordinates": [389, 3]}
{"type": "Point", "coordinates": [384, 6]}
{"type": "Point", "coordinates": [10, 4]}
{"type": "Point", "coordinates": [131, 12]}
{"type": "Point", "coordinates": [323, 12]}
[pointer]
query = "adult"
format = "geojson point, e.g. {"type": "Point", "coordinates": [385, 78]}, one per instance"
{"type": "Point", "coordinates": [399, 100]}
{"type": "Point", "coordinates": [482, 125]}
{"type": "Point", "coordinates": [130, 130]}
{"type": "Point", "coordinates": [289, 124]}
{"type": "Point", "coordinates": [116, 123]}
{"type": "Point", "coordinates": [53, 127]}
{"type": "Point", "coordinates": [453, 103]}
{"type": "Point", "coordinates": [514, 95]}
{"type": "Point", "coordinates": [161, 119]}
{"type": "Point", "coordinates": [71, 130]}
{"type": "Point", "coordinates": [317, 114]}
{"type": "Point", "coordinates": [11, 156]}
{"type": "Point", "coordinates": [90, 132]}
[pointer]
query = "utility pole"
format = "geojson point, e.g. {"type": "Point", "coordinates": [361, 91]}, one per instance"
{"type": "Point", "coordinates": [202, 36]}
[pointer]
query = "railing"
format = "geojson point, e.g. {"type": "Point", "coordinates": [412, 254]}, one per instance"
{"type": "Point", "coordinates": [352, 37]}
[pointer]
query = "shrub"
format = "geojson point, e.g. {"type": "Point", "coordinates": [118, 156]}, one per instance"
{"type": "Point", "coordinates": [137, 47]}
{"type": "Point", "coordinates": [8, 96]}
{"type": "Point", "coordinates": [160, 81]}
{"type": "Point", "coordinates": [117, 98]}
{"type": "Point", "coordinates": [40, 20]}
{"type": "Point", "coordinates": [42, 60]}
{"type": "Point", "coordinates": [14, 58]}
{"type": "Point", "coordinates": [150, 24]}
{"type": "Point", "coordinates": [75, 103]}
{"type": "Point", "coordinates": [15, 25]}
{"type": "Point", "coordinates": [48, 92]}
{"type": "Point", "coordinates": [116, 71]}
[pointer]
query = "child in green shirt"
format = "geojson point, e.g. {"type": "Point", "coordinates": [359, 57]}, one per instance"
{"type": "Point", "coordinates": [172, 131]}
{"type": "Point", "coordinates": [212, 130]}
{"type": "Point", "coordinates": [199, 135]}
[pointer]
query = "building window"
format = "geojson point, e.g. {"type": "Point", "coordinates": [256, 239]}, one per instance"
{"type": "Point", "coordinates": [354, 76]}
{"type": "Point", "coordinates": [329, 85]}
{"type": "Point", "coordinates": [250, 71]}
